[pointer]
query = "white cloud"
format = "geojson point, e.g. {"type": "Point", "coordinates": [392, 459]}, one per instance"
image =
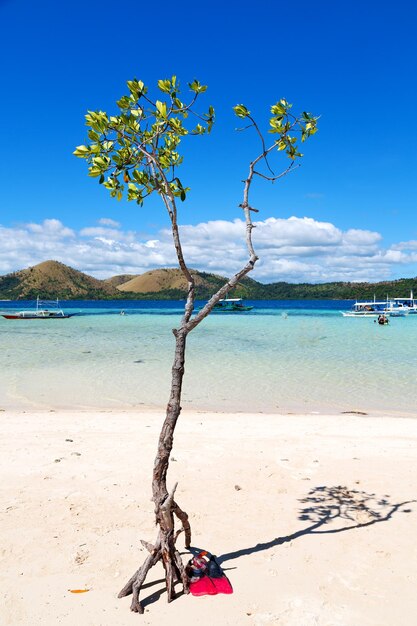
{"type": "Point", "coordinates": [296, 231]}
{"type": "Point", "coordinates": [361, 237]}
{"type": "Point", "coordinates": [294, 249]}
{"type": "Point", "coordinates": [106, 221]}
{"type": "Point", "coordinates": [50, 229]}
{"type": "Point", "coordinates": [406, 245]}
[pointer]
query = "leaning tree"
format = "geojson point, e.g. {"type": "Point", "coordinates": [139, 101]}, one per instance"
{"type": "Point", "coordinates": [135, 153]}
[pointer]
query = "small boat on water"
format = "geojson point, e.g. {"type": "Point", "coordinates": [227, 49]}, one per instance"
{"type": "Point", "coordinates": [406, 303]}
{"type": "Point", "coordinates": [390, 308]}
{"type": "Point", "coordinates": [231, 305]}
{"type": "Point", "coordinates": [45, 309]}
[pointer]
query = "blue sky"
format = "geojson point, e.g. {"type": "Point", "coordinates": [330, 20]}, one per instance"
{"type": "Point", "coordinates": [347, 214]}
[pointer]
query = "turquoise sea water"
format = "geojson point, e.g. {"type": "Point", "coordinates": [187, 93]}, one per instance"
{"type": "Point", "coordinates": [282, 357]}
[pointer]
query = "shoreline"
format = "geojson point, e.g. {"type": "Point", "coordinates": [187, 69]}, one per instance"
{"type": "Point", "coordinates": [140, 409]}
{"type": "Point", "coordinates": [311, 517]}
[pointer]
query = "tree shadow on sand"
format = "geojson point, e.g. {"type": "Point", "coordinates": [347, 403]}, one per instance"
{"type": "Point", "coordinates": [155, 595]}
{"type": "Point", "coordinates": [332, 510]}
{"type": "Point", "coordinates": [329, 510]}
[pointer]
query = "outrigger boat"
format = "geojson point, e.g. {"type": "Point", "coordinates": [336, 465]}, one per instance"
{"type": "Point", "coordinates": [45, 309]}
{"type": "Point", "coordinates": [365, 309]}
{"type": "Point", "coordinates": [406, 303]}
{"type": "Point", "coordinates": [390, 308]}
{"type": "Point", "coordinates": [231, 305]}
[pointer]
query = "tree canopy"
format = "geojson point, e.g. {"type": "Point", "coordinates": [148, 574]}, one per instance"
{"type": "Point", "coordinates": [137, 151]}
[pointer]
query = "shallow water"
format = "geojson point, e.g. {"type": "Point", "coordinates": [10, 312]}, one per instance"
{"type": "Point", "coordinates": [282, 357]}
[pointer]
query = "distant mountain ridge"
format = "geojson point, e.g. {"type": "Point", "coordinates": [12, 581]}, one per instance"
{"type": "Point", "coordinates": [161, 280]}
{"type": "Point", "coordinates": [52, 279]}
{"type": "Point", "coordinates": [119, 280]}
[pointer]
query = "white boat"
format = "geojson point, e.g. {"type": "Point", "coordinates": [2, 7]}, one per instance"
{"type": "Point", "coordinates": [374, 309]}
{"type": "Point", "coordinates": [406, 303]}
{"type": "Point", "coordinates": [394, 310]}
{"type": "Point", "coordinates": [231, 305]}
{"type": "Point", "coordinates": [366, 309]}
{"type": "Point", "coordinates": [45, 309]}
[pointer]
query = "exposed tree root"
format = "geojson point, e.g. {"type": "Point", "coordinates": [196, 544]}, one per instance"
{"type": "Point", "coordinates": [165, 550]}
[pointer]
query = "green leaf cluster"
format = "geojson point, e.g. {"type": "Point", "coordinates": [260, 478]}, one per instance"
{"type": "Point", "coordinates": [283, 123]}
{"type": "Point", "coordinates": [241, 111]}
{"type": "Point", "coordinates": [309, 126]}
{"type": "Point", "coordinates": [197, 87]}
{"type": "Point", "coordinates": [290, 128]}
{"type": "Point", "coordinates": [135, 152]}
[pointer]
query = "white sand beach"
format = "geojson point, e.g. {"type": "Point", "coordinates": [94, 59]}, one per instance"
{"type": "Point", "coordinates": [312, 516]}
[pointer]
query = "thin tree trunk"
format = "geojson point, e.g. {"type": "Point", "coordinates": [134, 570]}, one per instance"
{"type": "Point", "coordinates": [165, 505]}
{"type": "Point", "coordinates": [159, 486]}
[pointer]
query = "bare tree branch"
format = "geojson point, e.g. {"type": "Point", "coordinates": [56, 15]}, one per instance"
{"type": "Point", "coordinates": [292, 166]}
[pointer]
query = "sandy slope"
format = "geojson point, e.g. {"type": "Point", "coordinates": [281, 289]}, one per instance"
{"type": "Point", "coordinates": [75, 500]}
